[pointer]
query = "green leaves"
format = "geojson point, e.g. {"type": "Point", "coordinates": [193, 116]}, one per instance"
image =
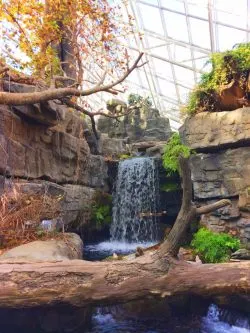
{"type": "Point", "coordinates": [225, 66]}
{"type": "Point", "coordinates": [101, 215]}
{"type": "Point", "coordinates": [138, 99]}
{"type": "Point", "coordinates": [214, 247]}
{"type": "Point", "coordinates": [101, 209]}
{"type": "Point", "coordinates": [173, 149]}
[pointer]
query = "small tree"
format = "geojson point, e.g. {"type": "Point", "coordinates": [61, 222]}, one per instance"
{"type": "Point", "coordinates": [60, 42]}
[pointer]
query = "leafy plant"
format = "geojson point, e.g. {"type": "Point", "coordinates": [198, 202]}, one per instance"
{"type": "Point", "coordinates": [101, 209]}
{"type": "Point", "coordinates": [138, 99]}
{"type": "Point", "coordinates": [214, 247]}
{"type": "Point", "coordinates": [173, 149]}
{"type": "Point", "coordinates": [101, 215]}
{"type": "Point", "coordinates": [226, 67]}
{"type": "Point", "coordinates": [124, 156]}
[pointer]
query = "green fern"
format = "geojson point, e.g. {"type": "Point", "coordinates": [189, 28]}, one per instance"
{"type": "Point", "coordinates": [173, 149]}
{"type": "Point", "coordinates": [214, 247]}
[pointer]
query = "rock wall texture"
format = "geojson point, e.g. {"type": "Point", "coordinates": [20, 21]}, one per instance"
{"type": "Point", "coordinates": [221, 167]}
{"type": "Point", "coordinates": [143, 124]}
{"type": "Point", "coordinates": [48, 148]}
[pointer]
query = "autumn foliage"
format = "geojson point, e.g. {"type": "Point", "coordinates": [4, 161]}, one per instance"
{"type": "Point", "coordinates": [92, 30]}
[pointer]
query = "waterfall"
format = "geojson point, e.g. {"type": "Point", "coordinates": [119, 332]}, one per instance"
{"type": "Point", "coordinates": [135, 201]}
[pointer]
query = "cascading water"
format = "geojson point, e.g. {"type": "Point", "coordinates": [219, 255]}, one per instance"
{"type": "Point", "coordinates": [135, 207]}
{"type": "Point", "coordinates": [135, 201]}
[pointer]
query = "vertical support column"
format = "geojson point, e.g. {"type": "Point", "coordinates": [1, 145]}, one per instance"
{"type": "Point", "coordinates": [210, 22]}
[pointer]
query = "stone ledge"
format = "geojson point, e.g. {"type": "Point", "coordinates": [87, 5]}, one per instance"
{"type": "Point", "coordinates": [208, 131]}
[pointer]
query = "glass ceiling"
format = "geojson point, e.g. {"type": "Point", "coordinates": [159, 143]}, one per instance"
{"type": "Point", "coordinates": [178, 36]}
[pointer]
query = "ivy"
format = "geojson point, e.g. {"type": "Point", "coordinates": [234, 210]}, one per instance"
{"type": "Point", "coordinates": [173, 149]}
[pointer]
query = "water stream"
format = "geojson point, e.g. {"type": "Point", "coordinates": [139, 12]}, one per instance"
{"type": "Point", "coordinates": [135, 201]}
{"type": "Point", "coordinates": [215, 320]}
{"type": "Point", "coordinates": [135, 207]}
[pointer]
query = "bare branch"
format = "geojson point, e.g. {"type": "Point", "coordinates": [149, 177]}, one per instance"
{"type": "Point", "coordinates": [216, 205]}
{"type": "Point", "coordinates": [43, 96]}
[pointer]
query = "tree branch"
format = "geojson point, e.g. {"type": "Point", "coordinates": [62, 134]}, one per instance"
{"type": "Point", "coordinates": [210, 208]}
{"type": "Point", "coordinates": [187, 214]}
{"type": "Point", "coordinates": [43, 96]}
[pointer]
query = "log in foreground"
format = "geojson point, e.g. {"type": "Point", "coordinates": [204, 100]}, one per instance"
{"type": "Point", "coordinates": [154, 274]}
{"type": "Point", "coordinates": [82, 283]}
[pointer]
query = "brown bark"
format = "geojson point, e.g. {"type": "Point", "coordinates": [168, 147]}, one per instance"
{"type": "Point", "coordinates": [83, 283]}
{"type": "Point", "coordinates": [43, 96]}
{"type": "Point", "coordinates": [187, 214]}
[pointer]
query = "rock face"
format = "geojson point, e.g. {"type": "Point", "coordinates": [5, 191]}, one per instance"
{"type": "Point", "coordinates": [221, 168]}
{"type": "Point", "coordinates": [222, 174]}
{"type": "Point", "coordinates": [60, 154]}
{"type": "Point", "coordinates": [68, 247]}
{"type": "Point", "coordinates": [217, 130]}
{"type": "Point", "coordinates": [49, 147]}
{"type": "Point", "coordinates": [143, 124]}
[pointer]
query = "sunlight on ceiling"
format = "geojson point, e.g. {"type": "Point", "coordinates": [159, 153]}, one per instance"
{"type": "Point", "coordinates": [178, 36]}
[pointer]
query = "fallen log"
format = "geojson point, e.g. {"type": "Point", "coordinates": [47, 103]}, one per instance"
{"type": "Point", "coordinates": [82, 283]}
{"type": "Point", "coordinates": [154, 274]}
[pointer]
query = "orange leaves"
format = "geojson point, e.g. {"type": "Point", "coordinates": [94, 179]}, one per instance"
{"type": "Point", "coordinates": [92, 29]}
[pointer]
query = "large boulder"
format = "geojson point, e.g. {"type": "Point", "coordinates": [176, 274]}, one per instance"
{"type": "Point", "coordinates": [69, 246]}
{"type": "Point", "coordinates": [112, 146]}
{"type": "Point", "coordinates": [215, 130]}
{"type": "Point", "coordinates": [221, 167]}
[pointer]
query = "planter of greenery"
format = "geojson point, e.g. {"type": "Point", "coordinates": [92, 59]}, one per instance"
{"type": "Point", "coordinates": [227, 86]}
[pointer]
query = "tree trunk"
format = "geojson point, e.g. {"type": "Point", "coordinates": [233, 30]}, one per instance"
{"type": "Point", "coordinates": [187, 214]}
{"type": "Point", "coordinates": [154, 274]}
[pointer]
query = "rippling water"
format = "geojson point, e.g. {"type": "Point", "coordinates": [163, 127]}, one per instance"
{"type": "Point", "coordinates": [214, 322]}
{"type": "Point", "coordinates": [117, 320]}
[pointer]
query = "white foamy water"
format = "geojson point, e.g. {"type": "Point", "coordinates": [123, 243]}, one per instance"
{"type": "Point", "coordinates": [214, 323]}
{"type": "Point", "coordinates": [135, 201]}
{"type": "Point", "coordinates": [116, 247]}
{"type": "Point", "coordinates": [110, 320]}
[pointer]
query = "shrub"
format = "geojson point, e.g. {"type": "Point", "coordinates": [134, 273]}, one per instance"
{"type": "Point", "coordinates": [214, 247]}
{"type": "Point", "coordinates": [225, 66]}
{"type": "Point", "coordinates": [134, 99]}
{"type": "Point", "coordinates": [173, 149]}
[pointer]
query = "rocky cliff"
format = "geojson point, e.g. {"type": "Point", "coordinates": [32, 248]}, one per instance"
{"type": "Point", "coordinates": [221, 166]}
{"type": "Point", "coordinates": [48, 148]}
